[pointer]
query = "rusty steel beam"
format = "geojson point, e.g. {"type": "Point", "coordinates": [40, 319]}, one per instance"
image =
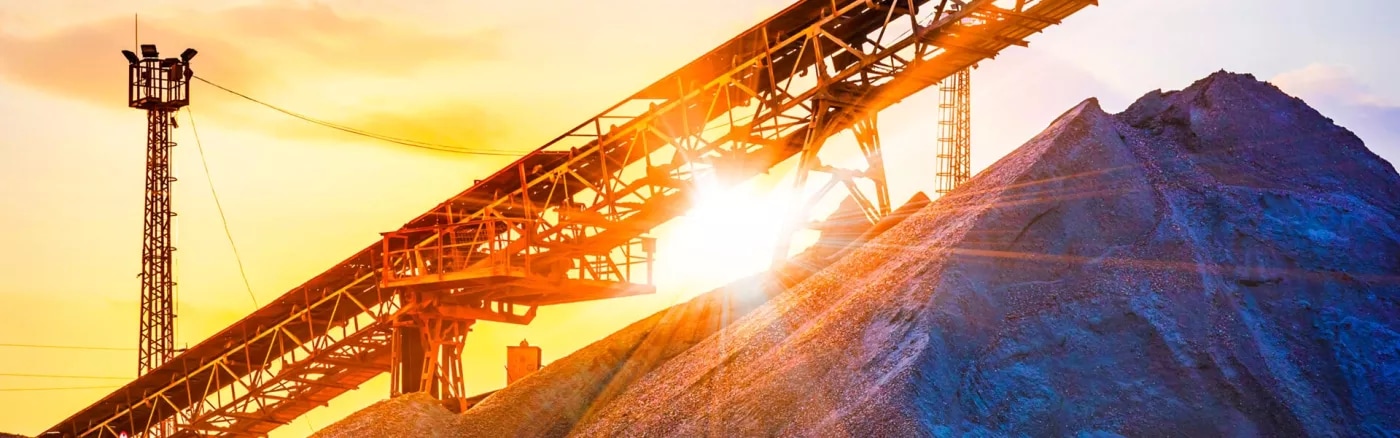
{"type": "Point", "coordinates": [730, 114]}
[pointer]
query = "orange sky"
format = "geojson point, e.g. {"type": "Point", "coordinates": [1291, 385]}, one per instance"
{"type": "Point", "coordinates": [299, 198]}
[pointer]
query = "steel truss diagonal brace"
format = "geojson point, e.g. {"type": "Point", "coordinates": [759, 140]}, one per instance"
{"type": "Point", "coordinates": [428, 357]}
{"type": "Point", "coordinates": [429, 331]}
{"type": "Point", "coordinates": [875, 205]}
{"type": "Point", "coordinates": [868, 137]}
{"type": "Point", "coordinates": [427, 350]}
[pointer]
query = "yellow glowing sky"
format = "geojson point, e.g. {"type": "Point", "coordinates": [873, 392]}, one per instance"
{"type": "Point", "coordinates": [500, 75]}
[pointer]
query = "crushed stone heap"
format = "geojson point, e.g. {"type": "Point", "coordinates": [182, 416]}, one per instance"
{"type": "Point", "coordinates": [410, 415]}
{"type": "Point", "coordinates": [1216, 261]}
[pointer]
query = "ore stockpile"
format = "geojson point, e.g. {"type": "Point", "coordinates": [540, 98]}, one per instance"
{"type": "Point", "coordinates": [1217, 261]}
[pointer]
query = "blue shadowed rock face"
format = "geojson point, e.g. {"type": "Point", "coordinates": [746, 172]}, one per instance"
{"type": "Point", "coordinates": [1220, 260]}
{"type": "Point", "coordinates": [1216, 261]}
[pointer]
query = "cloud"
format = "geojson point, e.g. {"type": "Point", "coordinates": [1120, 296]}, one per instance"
{"type": "Point", "coordinates": [362, 45]}
{"type": "Point", "coordinates": [269, 50]}
{"type": "Point", "coordinates": [1330, 82]}
{"type": "Point", "coordinates": [1336, 92]}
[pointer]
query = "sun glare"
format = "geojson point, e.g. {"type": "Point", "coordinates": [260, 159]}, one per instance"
{"type": "Point", "coordinates": [728, 233]}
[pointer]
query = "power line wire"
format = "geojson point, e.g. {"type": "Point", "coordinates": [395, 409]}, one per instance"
{"type": "Point", "coordinates": [199, 144]}
{"type": "Point", "coordinates": [56, 388]}
{"type": "Point", "coordinates": [63, 376]}
{"type": "Point", "coordinates": [376, 136]}
{"type": "Point", "coordinates": [67, 347]}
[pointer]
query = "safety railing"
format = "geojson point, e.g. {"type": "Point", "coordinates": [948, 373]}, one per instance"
{"type": "Point", "coordinates": [514, 247]}
{"type": "Point", "coordinates": [459, 247]}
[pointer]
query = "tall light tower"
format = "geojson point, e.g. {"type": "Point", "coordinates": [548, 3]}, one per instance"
{"type": "Point", "coordinates": [955, 131]}
{"type": "Point", "coordinates": [161, 87]}
{"type": "Point", "coordinates": [955, 120]}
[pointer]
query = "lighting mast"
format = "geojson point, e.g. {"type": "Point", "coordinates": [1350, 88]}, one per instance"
{"type": "Point", "coordinates": [161, 87]}
{"type": "Point", "coordinates": [955, 121]}
{"type": "Point", "coordinates": [955, 131]}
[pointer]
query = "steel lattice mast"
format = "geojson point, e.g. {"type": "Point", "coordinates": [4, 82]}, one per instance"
{"type": "Point", "coordinates": [157, 252]}
{"type": "Point", "coordinates": [954, 131]}
{"type": "Point", "coordinates": [161, 87]}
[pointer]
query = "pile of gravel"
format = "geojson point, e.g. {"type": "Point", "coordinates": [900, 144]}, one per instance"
{"type": "Point", "coordinates": [1216, 261]}
{"type": "Point", "coordinates": [409, 415]}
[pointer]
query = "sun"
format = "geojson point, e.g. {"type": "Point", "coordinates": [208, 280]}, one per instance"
{"type": "Point", "coordinates": [729, 232]}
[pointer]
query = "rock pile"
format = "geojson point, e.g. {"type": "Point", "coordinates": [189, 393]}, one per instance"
{"type": "Point", "coordinates": [1216, 261]}
{"type": "Point", "coordinates": [411, 415]}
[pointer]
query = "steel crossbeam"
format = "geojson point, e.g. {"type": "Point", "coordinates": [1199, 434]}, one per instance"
{"type": "Point", "coordinates": [580, 203]}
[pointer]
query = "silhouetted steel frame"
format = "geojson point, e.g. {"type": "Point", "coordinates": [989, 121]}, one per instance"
{"type": "Point", "coordinates": [157, 326]}
{"type": "Point", "coordinates": [250, 376]}
{"type": "Point", "coordinates": [159, 87]}
{"type": "Point", "coordinates": [867, 136]}
{"type": "Point", "coordinates": [954, 131]}
{"type": "Point", "coordinates": [439, 310]}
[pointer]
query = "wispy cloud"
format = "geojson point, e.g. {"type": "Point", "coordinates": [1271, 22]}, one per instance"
{"type": "Point", "coordinates": [1330, 82]}
{"type": "Point", "coordinates": [267, 49]}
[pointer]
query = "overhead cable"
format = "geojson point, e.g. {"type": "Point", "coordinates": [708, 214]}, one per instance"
{"type": "Point", "coordinates": [368, 134]}
{"type": "Point", "coordinates": [62, 376]}
{"type": "Point", "coordinates": [199, 144]}
{"type": "Point", "coordinates": [64, 388]}
{"type": "Point", "coordinates": [67, 347]}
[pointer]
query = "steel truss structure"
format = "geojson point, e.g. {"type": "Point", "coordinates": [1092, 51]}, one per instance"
{"type": "Point", "coordinates": [954, 131]}
{"type": "Point", "coordinates": [565, 223]}
{"type": "Point", "coordinates": [160, 87]}
{"type": "Point", "coordinates": [157, 338]}
{"type": "Point", "coordinates": [867, 138]}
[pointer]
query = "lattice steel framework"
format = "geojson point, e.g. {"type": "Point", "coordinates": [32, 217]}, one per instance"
{"type": "Point", "coordinates": [157, 340]}
{"type": "Point", "coordinates": [566, 222]}
{"type": "Point", "coordinates": [867, 137]}
{"type": "Point", "coordinates": [160, 87]}
{"type": "Point", "coordinates": [954, 131]}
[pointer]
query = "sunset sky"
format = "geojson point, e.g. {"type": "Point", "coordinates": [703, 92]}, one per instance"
{"type": "Point", "coordinates": [499, 75]}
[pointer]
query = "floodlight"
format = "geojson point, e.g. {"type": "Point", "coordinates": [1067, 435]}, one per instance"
{"type": "Point", "coordinates": [149, 51]}
{"type": "Point", "coordinates": [130, 56]}
{"type": "Point", "coordinates": [188, 54]}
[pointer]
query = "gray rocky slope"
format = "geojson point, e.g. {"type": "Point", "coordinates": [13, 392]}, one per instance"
{"type": "Point", "coordinates": [1220, 260]}
{"type": "Point", "coordinates": [1216, 261]}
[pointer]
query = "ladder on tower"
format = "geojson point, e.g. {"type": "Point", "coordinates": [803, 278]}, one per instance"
{"type": "Point", "coordinates": [954, 131]}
